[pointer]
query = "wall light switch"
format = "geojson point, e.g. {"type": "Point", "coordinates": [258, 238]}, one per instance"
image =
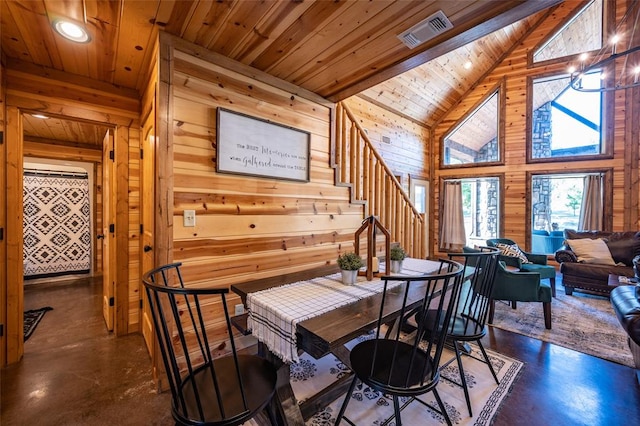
{"type": "Point", "coordinates": [189, 218]}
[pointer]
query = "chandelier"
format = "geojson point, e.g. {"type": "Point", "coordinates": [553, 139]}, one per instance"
{"type": "Point", "coordinates": [617, 62]}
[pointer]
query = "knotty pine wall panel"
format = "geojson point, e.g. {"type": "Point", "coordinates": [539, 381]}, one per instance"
{"type": "Point", "coordinates": [3, 222]}
{"type": "Point", "coordinates": [134, 232]}
{"type": "Point", "coordinates": [515, 70]}
{"type": "Point", "coordinates": [250, 227]}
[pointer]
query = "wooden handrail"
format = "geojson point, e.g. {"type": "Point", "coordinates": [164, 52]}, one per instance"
{"type": "Point", "coordinates": [360, 166]}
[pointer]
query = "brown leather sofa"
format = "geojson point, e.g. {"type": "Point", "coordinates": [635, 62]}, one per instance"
{"type": "Point", "coordinates": [626, 304]}
{"type": "Point", "coordinates": [624, 246]}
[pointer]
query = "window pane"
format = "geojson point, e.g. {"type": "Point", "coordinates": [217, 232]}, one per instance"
{"type": "Point", "coordinates": [555, 206]}
{"type": "Point", "coordinates": [420, 198]}
{"type": "Point", "coordinates": [480, 203]}
{"type": "Point", "coordinates": [475, 140]}
{"type": "Point", "coordinates": [566, 122]}
{"type": "Point", "coordinates": [581, 34]}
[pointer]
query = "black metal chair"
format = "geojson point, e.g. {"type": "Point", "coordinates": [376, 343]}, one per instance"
{"type": "Point", "coordinates": [206, 390]}
{"type": "Point", "coordinates": [398, 363]}
{"type": "Point", "coordinates": [468, 323]}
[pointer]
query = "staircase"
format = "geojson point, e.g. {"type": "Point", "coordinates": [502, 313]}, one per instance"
{"type": "Point", "coordinates": [372, 183]}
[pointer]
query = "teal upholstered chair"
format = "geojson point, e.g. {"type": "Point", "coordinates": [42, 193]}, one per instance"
{"type": "Point", "coordinates": [517, 286]}
{"type": "Point", "coordinates": [537, 263]}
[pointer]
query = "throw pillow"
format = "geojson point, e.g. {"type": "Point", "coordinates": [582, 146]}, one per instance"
{"type": "Point", "coordinates": [512, 250]}
{"type": "Point", "coordinates": [591, 251]}
{"type": "Point", "coordinates": [623, 251]}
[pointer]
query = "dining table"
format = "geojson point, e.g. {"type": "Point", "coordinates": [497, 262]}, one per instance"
{"type": "Point", "coordinates": [312, 311]}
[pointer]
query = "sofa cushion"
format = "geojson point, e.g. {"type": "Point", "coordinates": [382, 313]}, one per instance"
{"type": "Point", "coordinates": [591, 251]}
{"type": "Point", "coordinates": [593, 272]}
{"type": "Point", "coordinates": [624, 250]}
{"type": "Point", "coordinates": [512, 250]}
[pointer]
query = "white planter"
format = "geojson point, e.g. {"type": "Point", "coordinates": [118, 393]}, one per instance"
{"type": "Point", "coordinates": [396, 266]}
{"type": "Point", "coordinates": [349, 277]}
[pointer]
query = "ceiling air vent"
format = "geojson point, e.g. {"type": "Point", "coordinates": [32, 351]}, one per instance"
{"type": "Point", "coordinates": [434, 25]}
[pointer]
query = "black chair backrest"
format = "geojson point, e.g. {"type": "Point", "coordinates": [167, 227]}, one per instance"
{"type": "Point", "coordinates": [403, 364]}
{"type": "Point", "coordinates": [197, 381]}
{"type": "Point", "coordinates": [472, 305]}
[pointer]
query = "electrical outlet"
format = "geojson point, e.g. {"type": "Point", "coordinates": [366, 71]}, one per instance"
{"type": "Point", "coordinates": [189, 218]}
{"type": "Point", "coordinates": [239, 309]}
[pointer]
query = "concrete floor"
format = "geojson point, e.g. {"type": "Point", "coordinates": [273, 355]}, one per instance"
{"type": "Point", "coordinates": [74, 372]}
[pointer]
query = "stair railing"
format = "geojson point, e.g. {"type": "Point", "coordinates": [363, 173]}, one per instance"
{"type": "Point", "coordinates": [360, 166]}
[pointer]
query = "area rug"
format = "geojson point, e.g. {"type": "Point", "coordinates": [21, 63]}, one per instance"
{"type": "Point", "coordinates": [369, 407]}
{"type": "Point", "coordinates": [32, 319]}
{"type": "Point", "coordinates": [582, 322]}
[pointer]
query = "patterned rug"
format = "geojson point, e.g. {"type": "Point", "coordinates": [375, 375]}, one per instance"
{"type": "Point", "coordinates": [369, 407]}
{"type": "Point", "coordinates": [32, 319]}
{"type": "Point", "coordinates": [582, 322]}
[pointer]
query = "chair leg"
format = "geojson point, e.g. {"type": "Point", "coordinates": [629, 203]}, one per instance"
{"type": "Point", "coordinates": [272, 415]}
{"type": "Point", "coordinates": [396, 410]}
{"type": "Point", "coordinates": [546, 306]}
{"type": "Point", "coordinates": [346, 401]}
{"type": "Point", "coordinates": [463, 380]}
{"type": "Point", "coordinates": [443, 410]}
{"type": "Point", "coordinates": [513, 304]}
{"type": "Point", "coordinates": [486, 359]}
{"type": "Point", "coordinates": [552, 281]}
{"type": "Point", "coordinates": [492, 311]}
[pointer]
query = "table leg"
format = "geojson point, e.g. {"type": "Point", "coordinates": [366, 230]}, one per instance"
{"type": "Point", "coordinates": [286, 407]}
{"type": "Point", "coordinates": [332, 392]}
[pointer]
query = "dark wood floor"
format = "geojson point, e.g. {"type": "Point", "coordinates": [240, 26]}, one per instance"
{"type": "Point", "coordinates": [74, 372]}
{"type": "Point", "coordinates": [559, 386]}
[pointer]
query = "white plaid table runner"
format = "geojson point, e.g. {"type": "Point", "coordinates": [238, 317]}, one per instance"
{"type": "Point", "coordinates": [275, 312]}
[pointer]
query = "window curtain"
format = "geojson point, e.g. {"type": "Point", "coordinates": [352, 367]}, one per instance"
{"type": "Point", "coordinates": [591, 209]}
{"type": "Point", "coordinates": [452, 233]}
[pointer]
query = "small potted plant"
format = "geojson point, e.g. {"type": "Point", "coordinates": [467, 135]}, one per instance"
{"type": "Point", "coordinates": [397, 255]}
{"type": "Point", "coordinates": [349, 263]}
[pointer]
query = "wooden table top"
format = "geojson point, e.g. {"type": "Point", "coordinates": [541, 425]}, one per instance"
{"type": "Point", "coordinates": [327, 332]}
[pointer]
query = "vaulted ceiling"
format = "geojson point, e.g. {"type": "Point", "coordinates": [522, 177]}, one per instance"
{"type": "Point", "coordinates": [334, 48]}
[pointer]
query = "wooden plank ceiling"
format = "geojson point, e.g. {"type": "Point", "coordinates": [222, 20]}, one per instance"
{"type": "Point", "coordinates": [334, 48]}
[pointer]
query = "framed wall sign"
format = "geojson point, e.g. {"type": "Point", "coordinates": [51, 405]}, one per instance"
{"type": "Point", "coordinates": [252, 146]}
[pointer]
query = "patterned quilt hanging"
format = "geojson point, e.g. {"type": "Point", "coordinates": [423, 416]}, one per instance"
{"type": "Point", "coordinates": [57, 223]}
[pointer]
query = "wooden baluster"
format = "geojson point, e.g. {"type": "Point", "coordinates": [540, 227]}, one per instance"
{"type": "Point", "coordinates": [353, 140]}
{"type": "Point", "coordinates": [343, 148]}
{"type": "Point", "coordinates": [378, 182]}
{"type": "Point", "coordinates": [366, 179]}
{"type": "Point", "coordinates": [372, 186]}
{"type": "Point", "coordinates": [358, 166]}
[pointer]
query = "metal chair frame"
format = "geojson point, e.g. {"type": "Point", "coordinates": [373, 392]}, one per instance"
{"type": "Point", "coordinates": [401, 364]}
{"type": "Point", "coordinates": [197, 378]}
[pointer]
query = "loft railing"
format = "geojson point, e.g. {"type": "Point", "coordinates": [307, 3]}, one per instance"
{"type": "Point", "coordinates": [360, 166]}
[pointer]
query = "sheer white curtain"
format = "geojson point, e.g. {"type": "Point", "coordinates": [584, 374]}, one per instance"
{"type": "Point", "coordinates": [452, 234]}
{"type": "Point", "coordinates": [591, 209]}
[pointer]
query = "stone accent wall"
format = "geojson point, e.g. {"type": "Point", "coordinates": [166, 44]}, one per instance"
{"type": "Point", "coordinates": [540, 201]}
{"type": "Point", "coordinates": [486, 199]}
{"type": "Point", "coordinates": [488, 153]}
{"type": "Point", "coordinates": [541, 132]}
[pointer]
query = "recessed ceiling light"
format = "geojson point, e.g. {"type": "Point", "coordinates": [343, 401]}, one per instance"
{"type": "Point", "coordinates": [42, 116]}
{"type": "Point", "coordinates": [467, 65]}
{"type": "Point", "coordinates": [71, 31]}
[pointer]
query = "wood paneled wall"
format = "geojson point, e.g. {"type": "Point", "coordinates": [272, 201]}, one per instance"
{"type": "Point", "coordinates": [247, 227]}
{"type": "Point", "coordinates": [515, 70]}
{"type": "Point", "coordinates": [3, 218]}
